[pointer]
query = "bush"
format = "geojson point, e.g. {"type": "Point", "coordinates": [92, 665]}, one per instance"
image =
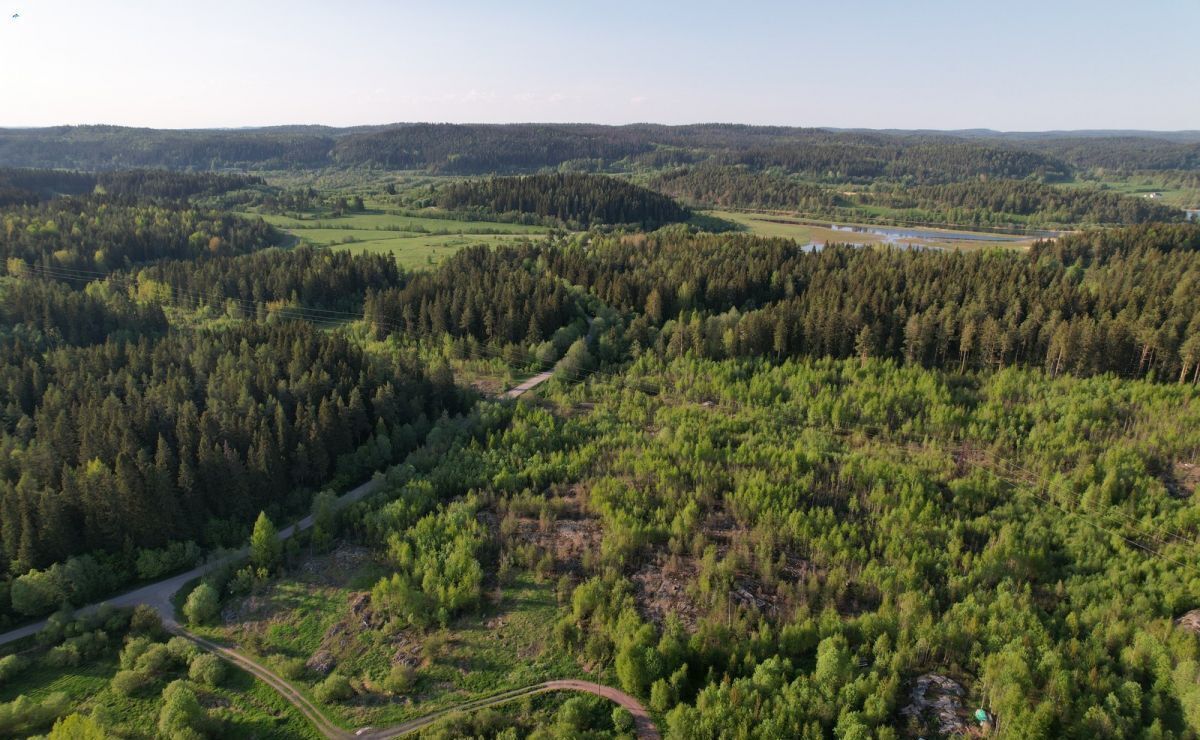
{"type": "Point", "coordinates": [134, 648]}
{"type": "Point", "coordinates": [130, 683]}
{"type": "Point", "coordinates": [622, 720]}
{"type": "Point", "coordinates": [11, 666]}
{"type": "Point", "coordinates": [334, 688]}
{"type": "Point", "coordinates": [181, 717]}
{"type": "Point", "coordinates": [87, 579]}
{"type": "Point", "coordinates": [207, 669]}
{"type": "Point", "coordinates": [23, 715]}
{"type": "Point", "coordinates": [63, 656]}
{"type": "Point", "coordinates": [156, 661]}
{"type": "Point", "coordinates": [400, 679]}
{"type": "Point", "coordinates": [152, 564]}
{"type": "Point", "coordinates": [77, 727]}
{"type": "Point", "coordinates": [145, 621]}
{"type": "Point", "coordinates": [39, 591]}
{"type": "Point", "coordinates": [58, 627]}
{"type": "Point", "coordinates": [182, 649]}
{"type": "Point", "coordinates": [202, 605]}
{"type": "Point", "coordinates": [289, 668]}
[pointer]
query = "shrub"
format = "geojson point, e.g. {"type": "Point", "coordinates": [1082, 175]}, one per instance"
{"type": "Point", "coordinates": [207, 669]}
{"type": "Point", "coordinates": [22, 715]}
{"type": "Point", "coordinates": [181, 717]}
{"type": "Point", "coordinates": [400, 679]}
{"type": "Point", "coordinates": [335, 687]}
{"type": "Point", "coordinates": [87, 578]}
{"type": "Point", "coordinates": [182, 649]}
{"type": "Point", "coordinates": [145, 621]}
{"type": "Point", "coordinates": [39, 591]}
{"type": "Point", "coordinates": [289, 668]}
{"type": "Point", "coordinates": [156, 661]}
{"type": "Point", "coordinates": [58, 627]}
{"type": "Point", "coordinates": [63, 656]}
{"type": "Point", "coordinates": [134, 647]}
{"type": "Point", "coordinates": [152, 564]}
{"type": "Point", "coordinates": [202, 605]}
{"type": "Point", "coordinates": [11, 666]}
{"type": "Point", "coordinates": [77, 727]}
{"type": "Point", "coordinates": [130, 683]}
{"type": "Point", "coordinates": [622, 720]}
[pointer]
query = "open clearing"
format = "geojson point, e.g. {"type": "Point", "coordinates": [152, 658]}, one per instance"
{"type": "Point", "coordinates": [812, 231]}
{"type": "Point", "coordinates": [320, 616]}
{"type": "Point", "coordinates": [417, 242]}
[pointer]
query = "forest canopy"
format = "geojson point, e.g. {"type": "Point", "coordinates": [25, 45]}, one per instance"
{"type": "Point", "coordinates": [576, 200]}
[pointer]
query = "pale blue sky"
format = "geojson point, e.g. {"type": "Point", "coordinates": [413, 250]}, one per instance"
{"type": "Point", "coordinates": [1014, 65]}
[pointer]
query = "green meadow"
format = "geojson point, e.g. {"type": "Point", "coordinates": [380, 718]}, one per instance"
{"type": "Point", "coordinates": [417, 242]}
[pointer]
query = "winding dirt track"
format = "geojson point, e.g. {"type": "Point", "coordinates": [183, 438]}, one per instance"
{"type": "Point", "coordinates": [159, 596]}
{"type": "Point", "coordinates": [643, 724]}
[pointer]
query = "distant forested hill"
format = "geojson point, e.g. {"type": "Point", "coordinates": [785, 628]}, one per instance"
{"type": "Point", "coordinates": [577, 200]}
{"type": "Point", "coordinates": [466, 149]}
{"type": "Point", "coordinates": [968, 202]}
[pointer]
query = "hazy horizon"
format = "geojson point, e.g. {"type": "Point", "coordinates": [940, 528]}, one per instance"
{"type": "Point", "coordinates": [386, 124]}
{"type": "Point", "coordinates": [1023, 67]}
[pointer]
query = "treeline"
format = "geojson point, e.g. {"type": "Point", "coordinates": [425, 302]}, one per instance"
{"type": "Point", "coordinates": [30, 186]}
{"type": "Point", "coordinates": [1095, 302]}
{"type": "Point", "coordinates": [465, 149]}
{"type": "Point", "coordinates": [491, 295]}
{"type": "Point", "coordinates": [101, 233]}
{"type": "Point", "coordinates": [116, 147]}
{"type": "Point", "coordinates": [576, 200]}
{"type": "Point", "coordinates": [998, 202]}
{"type": "Point", "coordinates": [993, 202]}
{"type": "Point", "coordinates": [254, 285]}
{"type": "Point", "coordinates": [46, 314]}
{"type": "Point", "coordinates": [864, 157]}
{"type": "Point", "coordinates": [1122, 153]}
{"type": "Point", "coordinates": [735, 296]}
{"type": "Point", "coordinates": [738, 187]}
{"type": "Point", "coordinates": [135, 444]}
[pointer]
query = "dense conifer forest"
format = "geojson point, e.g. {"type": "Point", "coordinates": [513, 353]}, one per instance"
{"type": "Point", "coordinates": [576, 201]}
{"type": "Point", "coordinates": [967, 203]}
{"type": "Point", "coordinates": [123, 432]}
{"type": "Point", "coordinates": [465, 149]}
{"type": "Point", "coordinates": [1068, 305]}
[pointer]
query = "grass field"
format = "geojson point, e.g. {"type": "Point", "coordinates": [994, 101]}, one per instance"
{"type": "Point", "coordinates": [242, 707]}
{"type": "Point", "coordinates": [807, 231]}
{"type": "Point", "coordinates": [320, 609]}
{"type": "Point", "coordinates": [1142, 185]}
{"type": "Point", "coordinates": [416, 242]}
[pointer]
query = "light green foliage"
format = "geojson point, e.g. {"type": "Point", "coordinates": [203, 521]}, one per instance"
{"type": "Point", "coordinates": [134, 648]}
{"type": "Point", "coordinates": [202, 605]}
{"type": "Point", "coordinates": [207, 669]}
{"type": "Point", "coordinates": [265, 547]}
{"type": "Point", "coordinates": [400, 678]}
{"type": "Point", "coordinates": [130, 682]}
{"type": "Point", "coordinates": [182, 649]}
{"type": "Point", "coordinates": [38, 592]}
{"type": "Point", "coordinates": [334, 688]}
{"type": "Point", "coordinates": [181, 716]}
{"type": "Point", "coordinates": [155, 661]}
{"type": "Point", "coordinates": [437, 571]}
{"type": "Point", "coordinates": [77, 727]}
{"type": "Point", "coordinates": [11, 666]}
{"type": "Point", "coordinates": [23, 715]}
